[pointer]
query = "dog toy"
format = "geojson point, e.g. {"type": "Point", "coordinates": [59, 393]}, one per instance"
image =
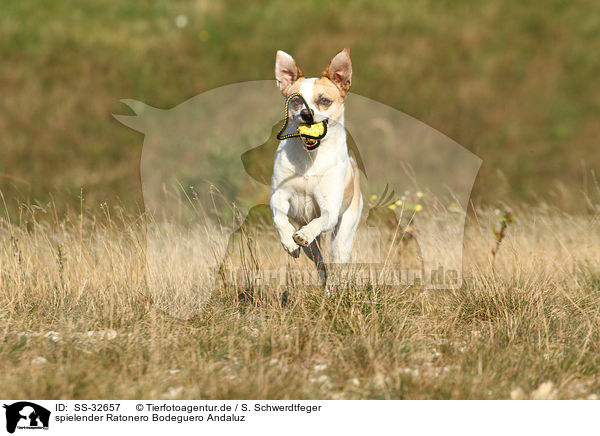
{"type": "Point", "coordinates": [311, 133]}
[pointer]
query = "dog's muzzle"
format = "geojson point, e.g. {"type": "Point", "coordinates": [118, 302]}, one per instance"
{"type": "Point", "coordinates": [310, 132]}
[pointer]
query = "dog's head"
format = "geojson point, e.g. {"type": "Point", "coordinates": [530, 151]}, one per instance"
{"type": "Point", "coordinates": [325, 95]}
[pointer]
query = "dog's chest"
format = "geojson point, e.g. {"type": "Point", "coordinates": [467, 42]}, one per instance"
{"type": "Point", "coordinates": [303, 206]}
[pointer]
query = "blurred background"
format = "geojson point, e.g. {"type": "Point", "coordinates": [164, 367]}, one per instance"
{"type": "Point", "coordinates": [515, 82]}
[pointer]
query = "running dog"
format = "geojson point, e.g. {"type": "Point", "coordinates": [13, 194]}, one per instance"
{"type": "Point", "coordinates": [316, 184]}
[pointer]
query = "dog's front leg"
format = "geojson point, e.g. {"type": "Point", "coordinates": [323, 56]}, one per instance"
{"type": "Point", "coordinates": [280, 206]}
{"type": "Point", "coordinates": [329, 205]}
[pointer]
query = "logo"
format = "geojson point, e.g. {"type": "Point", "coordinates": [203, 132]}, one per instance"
{"type": "Point", "coordinates": [26, 415]}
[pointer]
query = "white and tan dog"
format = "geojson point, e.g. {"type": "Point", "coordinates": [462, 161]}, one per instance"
{"type": "Point", "coordinates": [319, 188]}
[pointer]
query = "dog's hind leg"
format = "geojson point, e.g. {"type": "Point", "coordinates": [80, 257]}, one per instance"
{"type": "Point", "coordinates": [313, 251]}
{"type": "Point", "coordinates": [342, 240]}
{"type": "Point", "coordinates": [342, 237]}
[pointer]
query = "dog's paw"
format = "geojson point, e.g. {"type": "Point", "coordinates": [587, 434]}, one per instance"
{"type": "Point", "coordinates": [302, 238]}
{"type": "Point", "coordinates": [291, 247]}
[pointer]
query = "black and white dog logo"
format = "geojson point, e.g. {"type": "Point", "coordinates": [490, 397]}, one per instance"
{"type": "Point", "coordinates": [26, 415]}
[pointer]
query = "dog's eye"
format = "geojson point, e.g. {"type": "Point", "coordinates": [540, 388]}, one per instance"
{"type": "Point", "coordinates": [296, 102]}
{"type": "Point", "coordinates": [324, 101]}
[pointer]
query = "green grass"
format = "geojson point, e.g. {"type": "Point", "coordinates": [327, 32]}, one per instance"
{"type": "Point", "coordinates": [514, 82]}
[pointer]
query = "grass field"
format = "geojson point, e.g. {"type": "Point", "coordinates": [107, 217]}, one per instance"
{"type": "Point", "coordinates": [77, 321]}
{"type": "Point", "coordinates": [512, 81]}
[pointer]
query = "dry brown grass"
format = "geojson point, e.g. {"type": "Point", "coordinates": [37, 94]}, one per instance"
{"type": "Point", "coordinates": [77, 320]}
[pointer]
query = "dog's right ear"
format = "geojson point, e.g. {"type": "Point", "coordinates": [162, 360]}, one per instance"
{"type": "Point", "coordinates": [286, 71]}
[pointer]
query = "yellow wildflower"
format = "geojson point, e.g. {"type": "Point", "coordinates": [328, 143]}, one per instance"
{"type": "Point", "coordinates": [454, 207]}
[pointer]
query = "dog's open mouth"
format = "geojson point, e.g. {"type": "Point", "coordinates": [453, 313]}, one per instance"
{"type": "Point", "coordinates": [310, 144]}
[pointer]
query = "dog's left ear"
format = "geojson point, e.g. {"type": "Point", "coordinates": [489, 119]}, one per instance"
{"type": "Point", "coordinates": [339, 70]}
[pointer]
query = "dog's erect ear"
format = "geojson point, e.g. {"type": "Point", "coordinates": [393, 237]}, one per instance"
{"type": "Point", "coordinates": [339, 70]}
{"type": "Point", "coordinates": [286, 70]}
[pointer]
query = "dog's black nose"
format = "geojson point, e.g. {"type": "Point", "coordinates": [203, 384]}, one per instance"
{"type": "Point", "coordinates": [305, 115]}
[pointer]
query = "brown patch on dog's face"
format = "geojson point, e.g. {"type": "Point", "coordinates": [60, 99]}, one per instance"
{"type": "Point", "coordinates": [328, 99]}
{"type": "Point", "coordinates": [294, 87]}
{"type": "Point", "coordinates": [294, 108]}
